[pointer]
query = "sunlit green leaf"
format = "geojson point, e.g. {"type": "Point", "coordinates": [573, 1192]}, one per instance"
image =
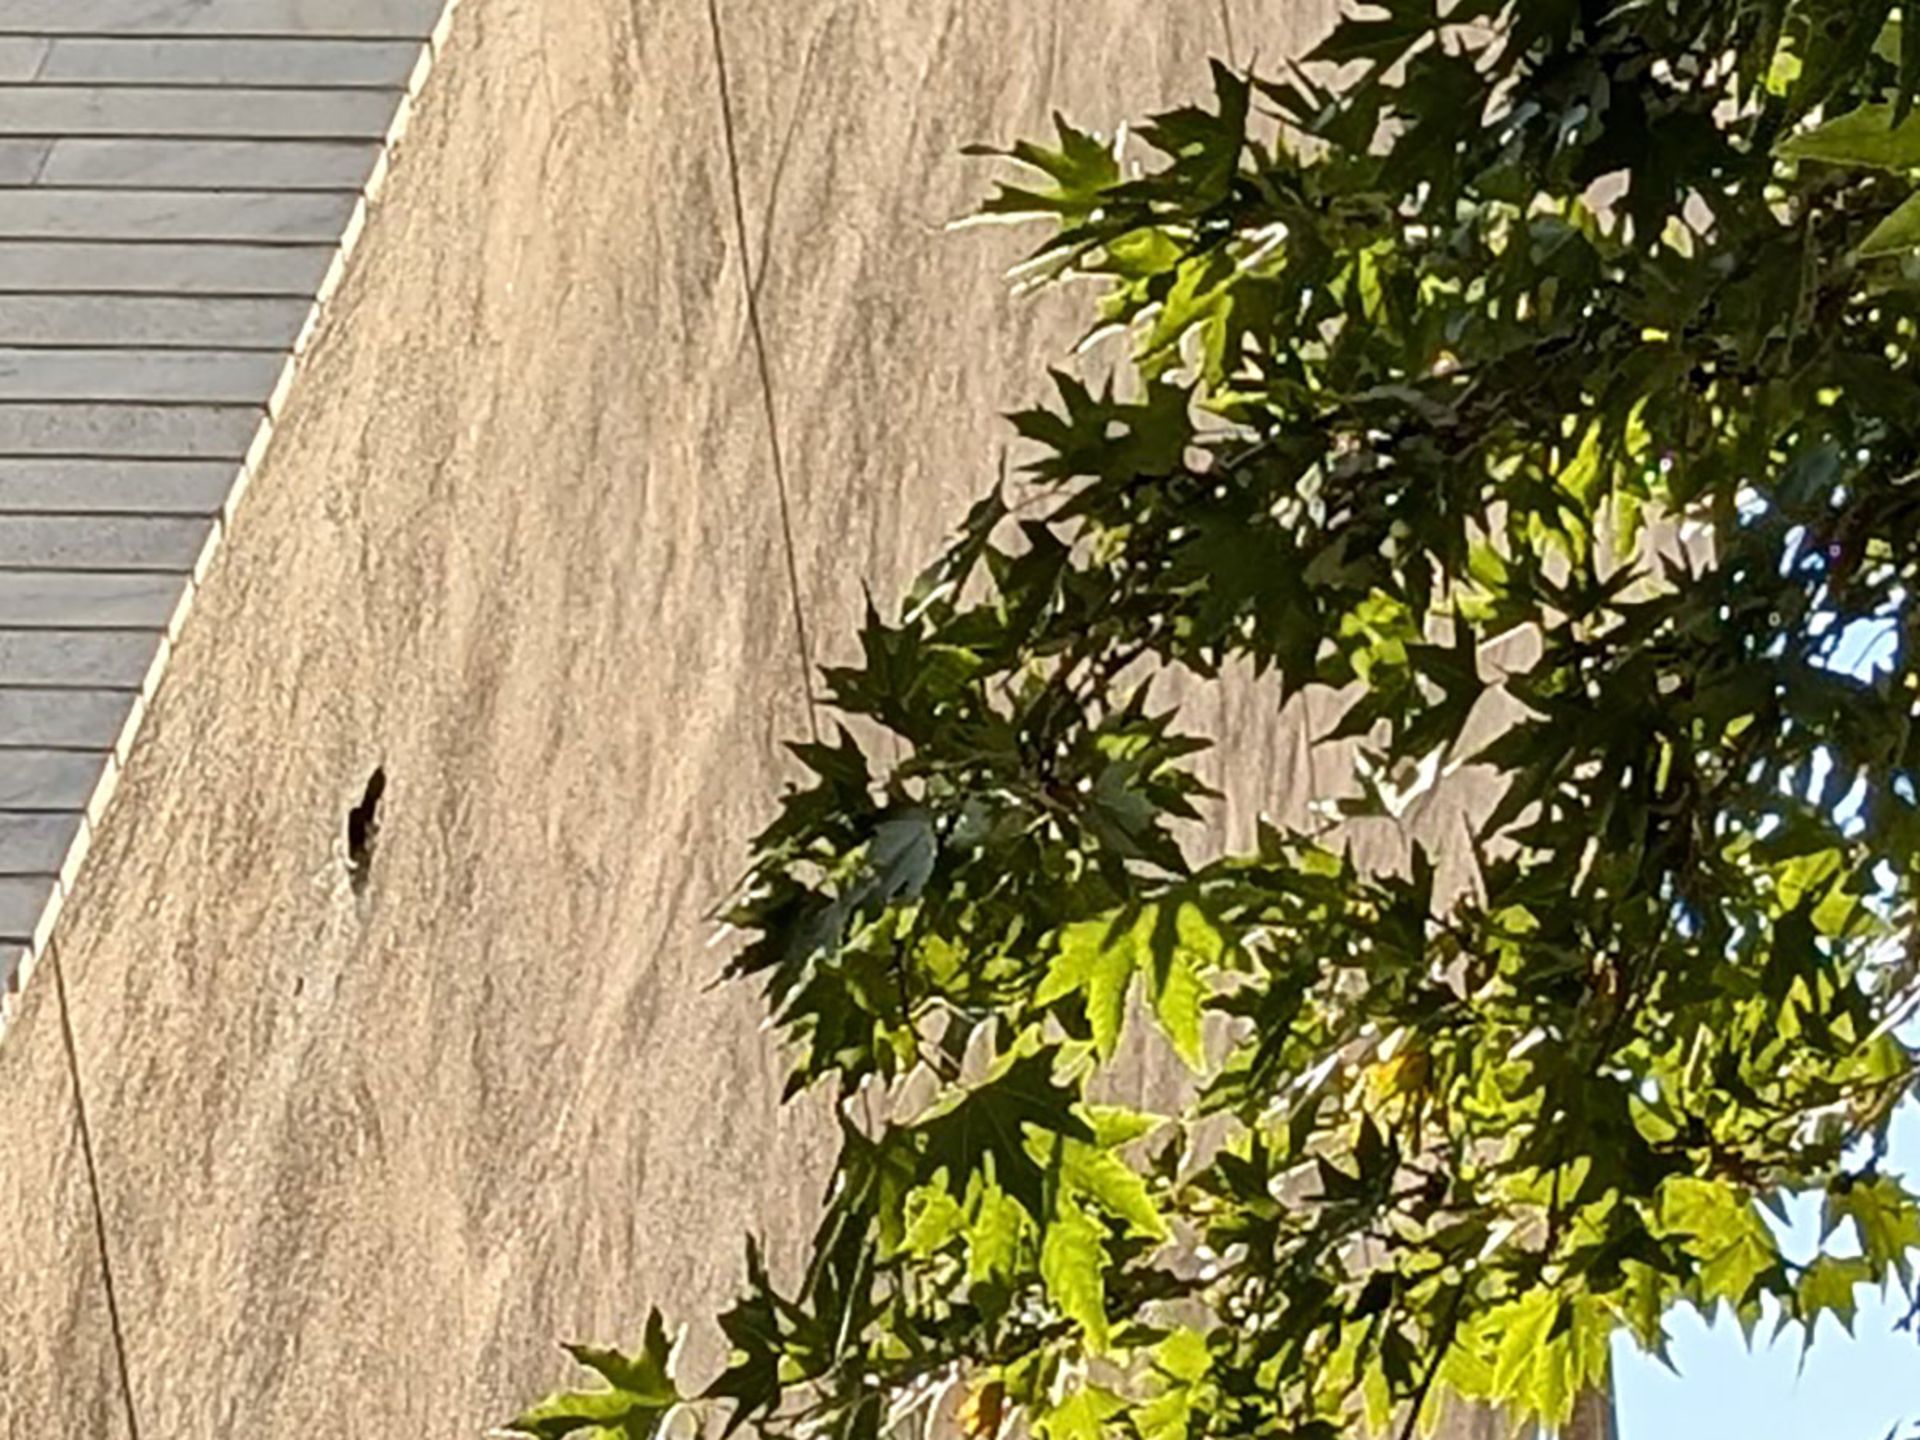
{"type": "Point", "coordinates": [1073, 1264]}
{"type": "Point", "coordinates": [638, 1394]}
{"type": "Point", "coordinates": [1884, 1217]}
{"type": "Point", "coordinates": [1083, 1415]}
{"type": "Point", "coordinates": [1827, 1286]}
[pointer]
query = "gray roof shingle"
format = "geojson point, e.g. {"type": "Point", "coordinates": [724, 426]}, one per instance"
{"type": "Point", "coordinates": [179, 180]}
{"type": "Point", "coordinates": [349, 19]}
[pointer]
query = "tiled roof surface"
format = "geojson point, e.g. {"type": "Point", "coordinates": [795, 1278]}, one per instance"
{"type": "Point", "coordinates": [180, 184]}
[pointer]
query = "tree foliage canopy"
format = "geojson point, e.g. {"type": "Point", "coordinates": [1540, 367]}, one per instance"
{"type": "Point", "coordinates": [1592, 321]}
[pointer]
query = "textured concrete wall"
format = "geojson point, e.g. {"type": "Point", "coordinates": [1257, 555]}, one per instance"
{"type": "Point", "coordinates": [361, 1155]}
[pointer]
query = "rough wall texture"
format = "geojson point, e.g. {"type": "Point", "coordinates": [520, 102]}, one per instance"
{"type": "Point", "coordinates": [518, 542]}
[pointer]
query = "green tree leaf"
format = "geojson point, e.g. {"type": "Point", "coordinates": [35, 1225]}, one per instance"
{"type": "Point", "coordinates": [994, 1236]}
{"type": "Point", "coordinates": [1086, 1414]}
{"type": "Point", "coordinates": [1721, 1229]}
{"type": "Point", "coordinates": [1098, 959]}
{"type": "Point", "coordinates": [1080, 171]}
{"type": "Point", "coordinates": [638, 1396]}
{"type": "Point", "coordinates": [982, 1129]}
{"type": "Point", "coordinates": [1172, 947]}
{"type": "Point", "coordinates": [1105, 1179]}
{"type": "Point", "coordinates": [1897, 234]}
{"type": "Point", "coordinates": [1886, 1221]}
{"type": "Point", "coordinates": [1864, 136]}
{"type": "Point", "coordinates": [1827, 1286]}
{"type": "Point", "coordinates": [1524, 1329]}
{"type": "Point", "coordinates": [1073, 1259]}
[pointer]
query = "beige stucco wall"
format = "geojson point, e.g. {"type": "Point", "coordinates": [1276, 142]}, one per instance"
{"type": "Point", "coordinates": [361, 1157]}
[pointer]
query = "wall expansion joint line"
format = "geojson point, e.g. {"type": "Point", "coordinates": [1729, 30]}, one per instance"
{"type": "Point", "coordinates": [750, 288]}
{"type": "Point", "coordinates": [108, 1288]}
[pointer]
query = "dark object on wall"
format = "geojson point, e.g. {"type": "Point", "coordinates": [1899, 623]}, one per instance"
{"type": "Point", "coordinates": [363, 828]}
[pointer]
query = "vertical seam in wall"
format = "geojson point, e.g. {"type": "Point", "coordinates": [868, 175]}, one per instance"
{"type": "Point", "coordinates": [1226, 28]}
{"type": "Point", "coordinates": [85, 1128]}
{"type": "Point", "coordinates": [750, 289]}
{"type": "Point", "coordinates": [803, 88]}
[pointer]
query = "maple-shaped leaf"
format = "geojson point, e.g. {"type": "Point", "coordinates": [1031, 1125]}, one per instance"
{"type": "Point", "coordinates": [1382, 40]}
{"type": "Point", "coordinates": [753, 1327]}
{"type": "Point", "coordinates": [1073, 1263]}
{"type": "Point", "coordinates": [1203, 146]}
{"type": "Point", "coordinates": [639, 1392]}
{"type": "Point", "coordinates": [1079, 171]}
{"type": "Point", "coordinates": [982, 1129]}
{"type": "Point", "coordinates": [1724, 1233]}
{"type": "Point", "coordinates": [1114, 1185]}
{"type": "Point", "coordinates": [1885, 1217]}
{"type": "Point", "coordinates": [1827, 1287]}
{"type": "Point", "coordinates": [1106, 438]}
{"type": "Point", "coordinates": [1171, 946]}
